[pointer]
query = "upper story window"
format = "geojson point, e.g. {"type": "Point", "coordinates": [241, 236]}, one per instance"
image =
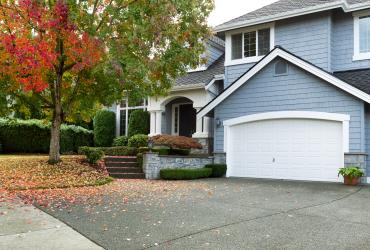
{"type": "Point", "coordinates": [249, 45]}
{"type": "Point", "coordinates": [362, 36]}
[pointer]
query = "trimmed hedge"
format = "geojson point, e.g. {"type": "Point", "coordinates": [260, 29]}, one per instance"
{"type": "Point", "coordinates": [33, 136]}
{"type": "Point", "coordinates": [185, 174]}
{"type": "Point", "coordinates": [139, 123]}
{"type": "Point", "coordinates": [218, 170]}
{"type": "Point", "coordinates": [111, 151]}
{"type": "Point", "coordinates": [138, 141]}
{"type": "Point", "coordinates": [120, 141]}
{"type": "Point", "coordinates": [181, 152]}
{"type": "Point", "coordinates": [165, 151]}
{"type": "Point", "coordinates": [104, 128]}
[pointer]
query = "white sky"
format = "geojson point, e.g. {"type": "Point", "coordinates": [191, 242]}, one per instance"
{"type": "Point", "coordinates": [228, 9]}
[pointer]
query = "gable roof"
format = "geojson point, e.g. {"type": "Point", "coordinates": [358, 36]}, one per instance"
{"type": "Point", "coordinates": [203, 77]}
{"type": "Point", "coordinates": [299, 62]}
{"type": "Point", "coordinates": [289, 8]}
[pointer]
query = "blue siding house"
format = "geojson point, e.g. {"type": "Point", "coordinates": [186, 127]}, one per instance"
{"type": "Point", "coordinates": [297, 91]}
{"type": "Point", "coordinates": [285, 93]}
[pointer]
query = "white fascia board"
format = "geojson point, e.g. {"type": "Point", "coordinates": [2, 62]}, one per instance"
{"type": "Point", "coordinates": [294, 60]}
{"type": "Point", "coordinates": [215, 78]}
{"type": "Point", "coordinates": [288, 115]}
{"type": "Point", "coordinates": [187, 87]}
{"type": "Point", "coordinates": [294, 13]}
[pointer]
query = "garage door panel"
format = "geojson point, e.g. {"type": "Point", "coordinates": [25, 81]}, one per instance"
{"type": "Point", "coordinates": [299, 149]}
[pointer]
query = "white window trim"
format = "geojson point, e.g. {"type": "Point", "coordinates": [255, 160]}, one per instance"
{"type": "Point", "coordinates": [126, 109]}
{"type": "Point", "coordinates": [177, 105]}
{"type": "Point", "coordinates": [228, 43]}
{"type": "Point", "coordinates": [343, 118]}
{"type": "Point", "coordinates": [357, 56]}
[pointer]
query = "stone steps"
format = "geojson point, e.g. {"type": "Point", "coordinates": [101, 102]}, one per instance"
{"type": "Point", "coordinates": [128, 175]}
{"type": "Point", "coordinates": [123, 167]}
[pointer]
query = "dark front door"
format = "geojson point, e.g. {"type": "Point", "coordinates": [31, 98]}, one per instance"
{"type": "Point", "coordinates": [187, 120]}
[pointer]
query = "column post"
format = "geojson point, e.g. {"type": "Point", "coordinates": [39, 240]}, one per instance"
{"type": "Point", "coordinates": [201, 127]}
{"type": "Point", "coordinates": [158, 122]}
{"type": "Point", "coordinates": [152, 123]}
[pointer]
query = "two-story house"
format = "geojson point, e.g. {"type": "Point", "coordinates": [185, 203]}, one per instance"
{"type": "Point", "coordinates": [290, 97]}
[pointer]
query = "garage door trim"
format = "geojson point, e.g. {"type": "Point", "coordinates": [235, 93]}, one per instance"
{"type": "Point", "coordinates": [344, 118]}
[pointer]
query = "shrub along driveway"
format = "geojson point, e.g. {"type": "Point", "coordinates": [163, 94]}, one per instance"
{"type": "Point", "coordinates": [231, 214]}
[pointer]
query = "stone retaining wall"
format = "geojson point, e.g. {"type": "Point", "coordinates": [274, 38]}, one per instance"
{"type": "Point", "coordinates": [153, 163]}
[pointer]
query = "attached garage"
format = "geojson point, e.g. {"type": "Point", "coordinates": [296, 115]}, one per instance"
{"type": "Point", "coordinates": [294, 145]}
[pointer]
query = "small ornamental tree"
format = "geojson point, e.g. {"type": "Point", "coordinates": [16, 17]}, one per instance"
{"type": "Point", "coordinates": [76, 55]}
{"type": "Point", "coordinates": [139, 123]}
{"type": "Point", "coordinates": [104, 128]}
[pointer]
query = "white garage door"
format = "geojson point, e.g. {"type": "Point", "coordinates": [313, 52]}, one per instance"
{"type": "Point", "coordinates": [295, 149]}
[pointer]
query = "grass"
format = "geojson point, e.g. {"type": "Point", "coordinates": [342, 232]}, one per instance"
{"type": "Point", "coordinates": [32, 172]}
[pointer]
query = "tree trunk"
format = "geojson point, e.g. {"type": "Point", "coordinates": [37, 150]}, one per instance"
{"type": "Point", "coordinates": [54, 151]}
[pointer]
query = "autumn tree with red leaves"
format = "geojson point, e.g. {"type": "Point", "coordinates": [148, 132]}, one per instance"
{"type": "Point", "coordinates": [76, 54]}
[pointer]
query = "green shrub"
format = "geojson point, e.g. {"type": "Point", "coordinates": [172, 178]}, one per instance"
{"type": "Point", "coordinates": [139, 123]}
{"type": "Point", "coordinates": [120, 141]}
{"type": "Point", "coordinates": [185, 174]}
{"type": "Point", "coordinates": [139, 158]}
{"type": "Point", "coordinates": [33, 136]}
{"type": "Point", "coordinates": [94, 155]}
{"type": "Point", "coordinates": [218, 170]}
{"type": "Point", "coordinates": [82, 150]}
{"type": "Point", "coordinates": [176, 151]}
{"type": "Point", "coordinates": [165, 151]}
{"type": "Point", "coordinates": [111, 151]}
{"type": "Point", "coordinates": [351, 172]}
{"type": "Point", "coordinates": [119, 151]}
{"type": "Point", "coordinates": [104, 128]}
{"type": "Point", "coordinates": [138, 141]}
{"type": "Point", "coordinates": [143, 150]}
{"type": "Point", "coordinates": [73, 137]}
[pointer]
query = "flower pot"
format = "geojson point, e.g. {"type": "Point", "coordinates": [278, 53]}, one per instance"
{"type": "Point", "coordinates": [351, 181]}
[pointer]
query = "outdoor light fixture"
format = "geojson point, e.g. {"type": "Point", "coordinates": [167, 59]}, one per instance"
{"type": "Point", "coordinates": [218, 122]}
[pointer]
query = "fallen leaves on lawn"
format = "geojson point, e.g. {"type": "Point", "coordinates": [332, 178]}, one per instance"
{"type": "Point", "coordinates": [28, 173]}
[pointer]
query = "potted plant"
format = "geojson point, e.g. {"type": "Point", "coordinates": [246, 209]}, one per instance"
{"type": "Point", "coordinates": [351, 175]}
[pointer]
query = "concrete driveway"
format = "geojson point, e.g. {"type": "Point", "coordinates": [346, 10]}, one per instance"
{"type": "Point", "coordinates": [232, 214]}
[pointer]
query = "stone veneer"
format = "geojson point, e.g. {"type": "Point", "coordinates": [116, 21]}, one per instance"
{"type": "Point", "coordinates": [207, 144]}
{"type": "Point", "coordinates": [153, 163]}
{"type": "Point", "coordinates": [219, 158]}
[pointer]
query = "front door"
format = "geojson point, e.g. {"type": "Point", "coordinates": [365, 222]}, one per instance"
{"type": "Point", "coordinates": [187, 124]}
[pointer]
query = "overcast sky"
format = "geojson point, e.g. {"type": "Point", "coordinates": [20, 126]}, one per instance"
{"type": "Point", "coordinates": [229, 9]}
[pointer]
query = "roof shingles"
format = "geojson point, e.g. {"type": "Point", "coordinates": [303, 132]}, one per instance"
{"type": "Point", "coordinates": [203, 77]}
{"type": "Point", "coordinates": [357, 78]}
{"type": "Point", "coordinates": [285, 6]}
